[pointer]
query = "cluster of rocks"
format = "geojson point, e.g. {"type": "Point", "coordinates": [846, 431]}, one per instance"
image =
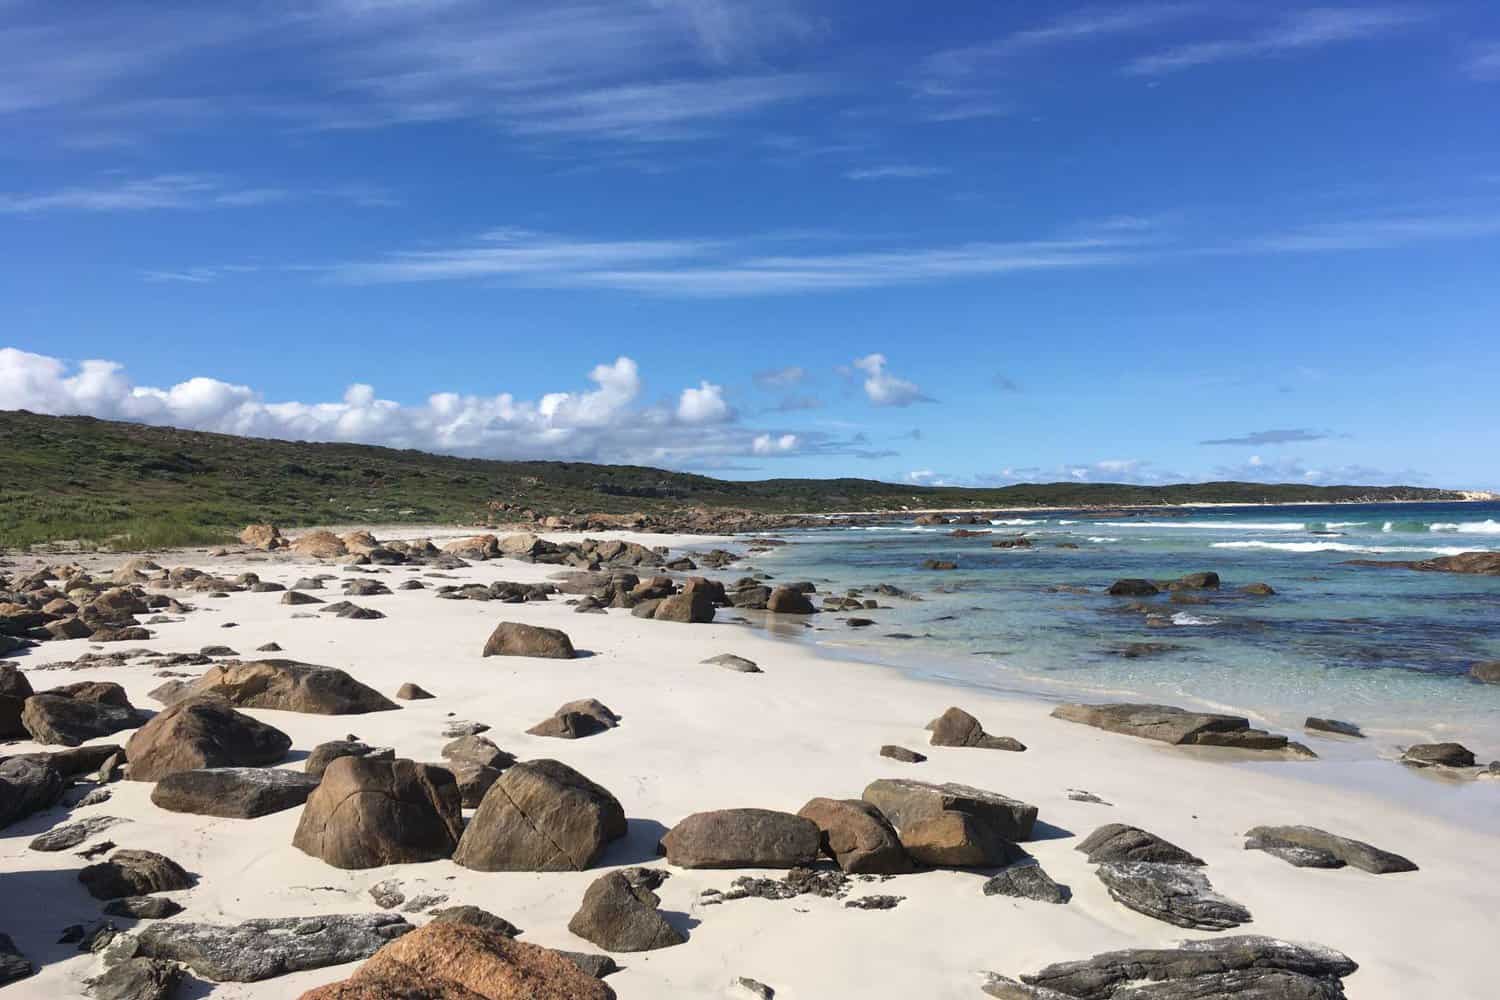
{"type": "Point", "coordinates": [1159, 879]}
{"type": "Point", "coordinates": [66, 602]}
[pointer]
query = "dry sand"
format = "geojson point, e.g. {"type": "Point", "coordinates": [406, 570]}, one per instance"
{"type": "Point", "coordinates": [697, 737]}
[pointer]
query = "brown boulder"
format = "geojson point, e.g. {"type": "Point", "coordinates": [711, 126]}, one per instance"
{"type": "Point", "coordinates": [541, 816]}
{"type": "Point", "coordinates": [576, 719]}
{"type": "Point", "coordinates": [290, 687]}
{"type": "Point", "coordinates": [957, 728]}
{"type": "Point", "coordinates": [262, 536]}
{"type": "Point", "coordinates": [413, 692]}
{"type": "Point", "coordinates": [478, 547]}
{"type": "Point", "coordinates": [1487, 672]}
{"type": "Point", "coordinates": [133, 873]}
{"type": "Point", "coordinates": [619, 914]}
{"type": "Point", "coordinates": [368, 813]}
{"type": "Point", "coordinates": [953, 839]}
{"type": "Point", "coordinates": [904, 802]}
{"type": "Point", "coordinates": [319, 545]}
{"type": "Point", "coordinates": [446, 960]}
{"type": "Point", "coordinates": [742, 838]}
{"type": "Point", "coordinates": [690, 606]}
{"type": "Point", "coordinates": [516, 639]}
{"type": "Point", "coordinates": [857, 836]}
{"type": "Point", "coordinates": [199, 733]}
{"type": "Point", "coordinates": [789, 601]}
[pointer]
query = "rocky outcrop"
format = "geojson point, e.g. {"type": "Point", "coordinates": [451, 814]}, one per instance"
{"type": "Point", "coordinates": [742, 838]}
{"type": "Point", "coordinates": [577, 719]}
{"type": "Point", "coordinates": [1169, 724]}
{"type": "Point", "coordinates": [202, 733]}
{"type": "Point", "coordinates": [1255, 968]}
{"type": "Point", "coordinates": [368, 813]}
{"type": "Point", "coordinates": [134, 873]}
{"type": "Point", "coordinates": [857, 836]}
{"type": "Point", "coordinates": [59, 720]}
{"type": "Point", "coordinates": [233, 792]}
{"type": "Point", "coordinates": [1178, 894]}
{"type": "Point", "coordinates": [619, 913]}
{"type": "Point", "coordinates": [957, 728]}
{"type": "Point", "coordinates": [541, 815]}
{"type": "Point", "coordinates": [1116, 842]}
{"type": "Point", "coordinates": [1478, 563]}
{"type": "Point", "coordinates": [271, 946]}
{"type": "Point", "coordinates": [289, 686]}
{"type": "Point", "coordinates": [1309, 847]}
{"type": "Point", "coordinates": [455, 961]}
{"type": "Point", "coordinates": [516, 639]}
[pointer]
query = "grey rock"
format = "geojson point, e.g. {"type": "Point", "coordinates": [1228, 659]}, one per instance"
{"type": "Point", "coordinates": [902, 754]}
{"type": "Point", "coordinates": [28, 785]}
{"type": "Point", "coordinates": [1169, 724]}
{"type": "Point", "coordinates": [13, 964]}
{"type": "Point", "coordinates": [1361, 855]}
{"type": "Point", "coordinates": [1026, 880]}
{"type": "Point", "coordinates": [1178, 894]}
{"type": "Point", "coordinates": [274, 946]}
{"type": "Point", "coordinates": [134, 873]}
{"type": "Point", "coordinates": [233, 792]}
{"type": "Point", "coordinates": [1081, 795]}
{"type": "Point", "coordinates": [387, 894]}
{"type": "Point", "coordinates": [730, 661]}
{"type": "Point", "coordinates": [142, 907]}
{"type": "Point", "coordinates": [1314, 724]}
{"type": "Point", "coordinates": [326, 753]}
{"type": "Point", "coordinates": [619, 914]}
{"type": "Point", "coordinates": [957, 728]}
{"type": "Point", "coordinates": [136, 979]}
{"type": "Point", "coordinates": [874, 902]}
{"type": "Point", "coordinates": [61, 838]}
{"type": "Point", "coordinates": [752, 987]}
{"type": "Point", "coordinates": [464, 728]}
{"type": "Point", "coordinates": [1426, 755]}
{"type": "Point", "coordinates": [477, 917]}
{"type": "Point", "coordinates": [479, 750]}
{"type": "Point", "coordinates": [597, 966]}
{"type": "Point", "coordinates": [1118, 842]}
{"type": "Point", "coordinates": [63, 721]}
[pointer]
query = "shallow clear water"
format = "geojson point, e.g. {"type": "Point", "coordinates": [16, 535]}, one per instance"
{"type": "Point", "coordinates": [1387, 648]}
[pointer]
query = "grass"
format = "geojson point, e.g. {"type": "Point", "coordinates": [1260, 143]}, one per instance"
{"type": "Point", "coordinates": [136, 486]}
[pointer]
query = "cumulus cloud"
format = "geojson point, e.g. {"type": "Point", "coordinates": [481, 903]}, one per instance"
{"type": "Point", "coordinates": [882, 388]}
{"type": "Point", "coordinates": [606, 422]}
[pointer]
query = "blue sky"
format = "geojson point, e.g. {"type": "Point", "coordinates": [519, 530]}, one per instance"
{"type": "Point", "coordinates": [968, 242]}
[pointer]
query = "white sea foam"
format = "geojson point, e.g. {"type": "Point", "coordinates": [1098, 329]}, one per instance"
{"type": "Point", "coordinates": [1345, 524]}
{"type": "Point", "coordinates": [1468, 527]}
{"type": "Point", "coordinates": [1374, 550]}
{"type": "Point", "coordinates": [1183, 618]}
{"type": "Point", "coordinates": [1015, 521]}
{"type": "Point", "coordinates": [1209, 525]}
{"type": "Point", "coordinates": [1102, 539]}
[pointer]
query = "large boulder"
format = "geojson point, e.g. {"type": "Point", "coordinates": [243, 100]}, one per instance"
{"type": "Point", "coordinates": [233, 792]}
{"type": "Point", "coordinates": [62, 721]}
{"type": "Point", "coordinates": [133, 873]}
{"type": "Point", "coordinates": [368, 813]}
{"type": "Point", "coordinates": [262, 536]}
{"type": "Point", "coordinates": [516, 639]}
{"type": "Point", "coordinates": [457, 961]}
{"type": "Point", "coordinates": [690, 606]}
{"type": "Point", "coordinates": [479, 547]}
{"type": "Point", "coordinates": [272, 946]}
{"type": "Point", "coordinates": [27, 785]}
{"type": "Point", "coordinates": [857, 836]}
{"type": "Point", "coordinates": [541, 815]}
{"type": "Point", "coordinates": [743, 838]}
{"type": "Point", "coordinates": [1307, 846]}
{"type": "Point", "coordinates": [957, 728]}
{"type": "Point", "coordinates": [789, 601]}
{"type": "Point", "coordinates": [289, 686]}
{"type": "Point", "coordinates": [905, 802]}
{"type": "Point", "coordinates": [319, 545]}
{"type": "Point", "coordinates": [199, 733]}
{"type": "Point", "coordinates": [98, 692]}
{"type": "Point", "coordinates": [619, 913]}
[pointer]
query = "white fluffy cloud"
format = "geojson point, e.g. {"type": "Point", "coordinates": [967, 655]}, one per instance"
{"type": "Point", "coordinates": [607, 422]}
{"type": "Point", "coordinates": [883, 388]}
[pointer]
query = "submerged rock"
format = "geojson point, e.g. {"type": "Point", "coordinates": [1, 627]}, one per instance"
{"type": "Point", "coordinates": [1315, 724]}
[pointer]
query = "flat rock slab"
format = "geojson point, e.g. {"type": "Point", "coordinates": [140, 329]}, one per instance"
{"type": "Point", "coordinates": [1168, 724]}
{"type": "Point", "coordinates": [1119, 842]}
{"type": "Point", "coordinates": [233, 792]}
{"type": "Point", "coordinates": [272, 946]}
{"type": "Point", "coordinates": [1286, 841]}
{"type": "Point", "coordinates": [1177, 894]}
{"type": "Point", "coordinates": [69, 835]}
{"type": "Point", "coordinates": [1249, 966]}
{"type": "Point", "coordinates": [905, 801]}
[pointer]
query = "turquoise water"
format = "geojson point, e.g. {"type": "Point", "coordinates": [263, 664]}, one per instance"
{"type": "Point", "coordinates": [1387, 648]}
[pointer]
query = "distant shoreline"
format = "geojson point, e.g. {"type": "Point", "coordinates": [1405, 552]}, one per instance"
{"type": "Point", "coordinates": [1477, 497]}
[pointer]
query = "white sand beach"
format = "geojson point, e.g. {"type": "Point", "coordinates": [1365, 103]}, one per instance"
{"type": "Point", "coordinates": [696, 737]}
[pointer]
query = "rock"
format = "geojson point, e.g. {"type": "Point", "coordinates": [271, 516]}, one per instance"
{"type": "Point", "coordinates": [296, 598]}
{"type": "Point", "coordinates": [1118, 842]}
{"type": "Point", "coordinates": [619, 915]}
{"type": "Point", "coordinates": [957, 728]}
{"type": "Point", "coordinates": [729, 661]}
{"type": "Point", "coordinates": [857, 836]}
{"type": "Point", "coordinates": [28, 785]}
{"type": "Point", "coordinates": [902, 754]}
{"type": "Point", "coordinates": [319, 545]}
{"type": "Point", "coordinates": [413, 692]}
{"type": "Point", "coordinates": [876, 902]}
{"type": "Point", "coordinates": [905, 802]}
{"type": "Point", "coordinates": [262, 536]}
{"type": "Point", "coordinates": [289, 686]}
{"type": "Point", "coordinates": [577, 719]}
{"type": "Point", "coordinates": [1363, 856]}
{"type": "Point", "coordinates": [62, 721]}
{"type": "Point", "coordinates": [13, 964]}
{"type": "Point", "coordinates": [1173, 725]}
{"type": "Point", "coordinates": [690, 606]}
{"type": "Point", "coordinates": [233, 792]}
{"type": "Point", "coordinates": [479, 750]}
{"type": "Point", "coordinates": [272, 946]}
{"type": "Point", "coordinates": [463, 727]}
{"type": "Point", "coordinates": [367, 813]}
{"type": "Point", "coordinates": [142, 907]}
{"type": "Point", "coordinates": [202, 733]}
{"type": "Point", "coordinates": [939, 564]}
{"type": "Point", "coordinates": [326, 753]}
{"type": "Point", "coordinates": [1133, 588]}
{"type": "Point", "coordinates": [597, 966]}
{"type": "Point", "coordinates": [789, 601]}
{"type": "Point", "coordinates": [70, 835]}
{"type": "Point", "coordinates": [133, 873]}
{"type": "Point", "coordinates": [742, 838]}
{"type": "Point", "coordinates": [1258, 590]}
{"type": "Point", "coordinates": [454, 961]}
{"type": "Point", "coordinates": [14, 690]}
{"type": "Point", "coordinates": [1317, 725]}
{"type": "Point", "coordinates": [1175, 893]}
{"type": "Point", "coordinates": [1080, 795]}
{"type": "Point", "coordinates": [541, 816]}
{"type": "Point", "coordinates": [1432, 755]}
{"type": "Point", "coordinates": [752, 987]}
{"type": "Point", "coordinates": [269, 647]}
{"type": "Point", "coordinates": [1480, 563]}
{"type": "Point", "coordinates": [136, 979]}
{"type": "Point", "coordinates": [1025, 879]}
{"type": "Point", "coordinates": [516, 639]}
{"type": "Point", "coordinates": [953, 839]}
{"type": "Point", "coordinates": [1487, 672]}
{"type": "Point", "coordinates": [1248, 967]}
{"type": "Point", "coordinates": [476, 917]}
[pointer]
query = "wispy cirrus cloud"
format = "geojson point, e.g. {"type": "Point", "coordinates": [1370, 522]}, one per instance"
{"type": "Point", "coordinates": [1288, 435]}
{"type": "Point", "coordinates": [1297, 31]}
{"type": "Point", "coordinates": [896, 172]}
{"type": "Point", "coordinates": [1483, 61]}
{"type": "Point", "coordinates": [172, 191]}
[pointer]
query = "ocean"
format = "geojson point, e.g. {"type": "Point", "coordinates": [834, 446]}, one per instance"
{"type": "Point", "coordinates": [1388, 649]}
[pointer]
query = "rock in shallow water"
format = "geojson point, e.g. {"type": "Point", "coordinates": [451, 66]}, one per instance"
{"type": "Point", "coordinates": [1438, 755]}
{"type": "Point", "coordinates": [1177, 894]}
{"type": "Point", "coordinates": [273, 946]}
